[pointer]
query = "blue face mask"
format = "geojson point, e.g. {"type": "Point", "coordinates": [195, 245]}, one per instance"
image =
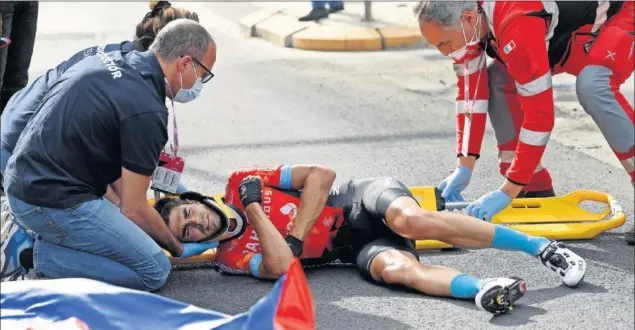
{"type": "Point", "coordinates": [188, 95]}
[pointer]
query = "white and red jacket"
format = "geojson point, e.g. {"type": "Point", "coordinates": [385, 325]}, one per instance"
{"type": "Point", "coordinates": [530, 38]}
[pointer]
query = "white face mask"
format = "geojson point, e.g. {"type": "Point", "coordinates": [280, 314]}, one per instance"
{"type": "Point", "coordinates": [188, 95]}
{"type": "Point", "coordinates": [459, 53]}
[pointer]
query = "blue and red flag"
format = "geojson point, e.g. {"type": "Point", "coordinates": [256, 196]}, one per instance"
{"type": "Point", "coordinates": [87, 304]}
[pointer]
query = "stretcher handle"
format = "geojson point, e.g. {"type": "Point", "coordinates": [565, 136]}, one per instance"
{"type": "Point", "coordinates": [451, 206]}
{"type": "Point", "coordinates": [618, 216]}
{"type": "Point", "coordinates": [588, 195]}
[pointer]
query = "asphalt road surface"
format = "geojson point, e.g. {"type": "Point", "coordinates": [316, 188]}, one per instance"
{"type": "Point", "coordinates": [358, 113]}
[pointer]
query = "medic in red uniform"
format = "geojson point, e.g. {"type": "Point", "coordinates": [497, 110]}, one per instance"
{"type": "Point", "coordinates": [530, 41]}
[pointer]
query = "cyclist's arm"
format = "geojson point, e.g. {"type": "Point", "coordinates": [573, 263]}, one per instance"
{"type": "Point", "coordinates": [314, 181]}
{"type": "Point", "coordinates": [276, 255]}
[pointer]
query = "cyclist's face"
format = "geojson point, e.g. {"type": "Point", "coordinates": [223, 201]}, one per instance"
{"type": "Point", "coordinates": [193, 222]}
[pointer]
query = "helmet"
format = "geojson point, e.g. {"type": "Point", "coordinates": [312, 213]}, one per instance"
{"type": "Point", "coordinates": [233, 221]}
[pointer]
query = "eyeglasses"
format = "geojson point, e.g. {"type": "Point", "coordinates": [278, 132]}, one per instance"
{"type": "Point", "coordinates": [208, 74]}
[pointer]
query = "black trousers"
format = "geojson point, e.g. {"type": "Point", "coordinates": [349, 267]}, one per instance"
{"type": "Point", "coordinates": [19, 23]}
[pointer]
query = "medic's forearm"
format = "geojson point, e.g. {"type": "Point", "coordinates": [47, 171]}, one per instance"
{"type": "Point", "coordinates": [528, 64]}
{"type": "Point", "coordinates": [471, 138]}
{"type": "Point", "coordinates": [314, 195]}
{"type": "Point", "coordinates": [539, 118]}
{"type": "Point", "coordinates": [534, 135]}
{"type": "Point", "coordinates": [276, 254]}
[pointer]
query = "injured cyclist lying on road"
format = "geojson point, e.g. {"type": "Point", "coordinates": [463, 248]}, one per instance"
{"type": "Point", "coordinates": [269, 215]}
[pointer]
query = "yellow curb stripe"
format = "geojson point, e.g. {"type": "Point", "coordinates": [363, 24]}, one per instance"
{"type": "Point", "coordinates": [285, 31]}
{"type": "Point", "coordinates": [400, 36]}
{"type": "Point", "coordinates": [333, 38]}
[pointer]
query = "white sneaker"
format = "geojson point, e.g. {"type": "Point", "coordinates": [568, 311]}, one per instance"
{"type": "Point", "coordinates": [498, 295]}
{"type": "Point", "coordinates": [569, 266]}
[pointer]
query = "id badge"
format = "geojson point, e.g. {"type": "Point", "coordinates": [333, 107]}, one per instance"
{"type": "Point", "coordinates": [167, 175]}
{"type": "Point", "coordinates": [466, 136]}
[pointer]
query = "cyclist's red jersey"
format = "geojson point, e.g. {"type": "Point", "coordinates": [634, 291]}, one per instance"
{"type": "Point", "coordinates": [280, 204]}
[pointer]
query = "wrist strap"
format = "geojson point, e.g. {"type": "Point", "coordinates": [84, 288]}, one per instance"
{"type": "Point", "coordinates": [295, 245]}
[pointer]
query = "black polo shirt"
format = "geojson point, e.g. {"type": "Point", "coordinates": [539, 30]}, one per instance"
{"type": "Point", "coordinates": [105, 112]}
{"type": "Point", "coordinates": [23, 104]}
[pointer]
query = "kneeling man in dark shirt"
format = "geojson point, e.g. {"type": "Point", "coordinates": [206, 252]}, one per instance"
{"type": "Point", "coordinates": [104, 122]}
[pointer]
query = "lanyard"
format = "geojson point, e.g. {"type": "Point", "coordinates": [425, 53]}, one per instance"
{"type": "Point", "coordinates": [174, 147]}
{"type": "Point", "coordinates": [175, 133]}
{"type": "Point", "coordinates": [468, 106]}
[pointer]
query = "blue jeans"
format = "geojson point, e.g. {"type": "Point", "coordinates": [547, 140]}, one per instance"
{"type": "Point", "coordinates": [4, 159]}
{"type": "Point", "coordinates": [92, 240]}
{"type": "Point", "coordinates": [321, 4]}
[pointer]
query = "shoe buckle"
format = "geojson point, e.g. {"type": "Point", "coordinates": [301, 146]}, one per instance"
{"type": "Point", "coordinates": [504, 301]}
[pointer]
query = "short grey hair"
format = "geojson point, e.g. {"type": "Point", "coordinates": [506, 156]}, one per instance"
{"type": "Point", "coordinates": [445, 13]}
{"type": "Point", "coordinates": [181, 37]}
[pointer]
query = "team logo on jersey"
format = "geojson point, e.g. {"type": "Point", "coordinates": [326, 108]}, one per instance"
{"type": "Point", "coordinates": [289, 208]}
{"type": "Point", "coordinates": [509, 47]}
{"type": "Point", "coordinates": [328, 222]}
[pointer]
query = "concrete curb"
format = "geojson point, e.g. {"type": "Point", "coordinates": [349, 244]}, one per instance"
{"type": "Point", "coordinates": [286, 31]}
{"type": "Point", "coordinates": [248, 23]}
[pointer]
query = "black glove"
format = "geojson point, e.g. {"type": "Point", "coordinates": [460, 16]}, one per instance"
{"type": "Point", "coordinates": [250, 190]}
{"type": "Point", "coordinates": [295, 245]}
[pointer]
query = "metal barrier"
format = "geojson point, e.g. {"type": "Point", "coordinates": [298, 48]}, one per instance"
{"type": "Point", "coordinates": [367, 11]}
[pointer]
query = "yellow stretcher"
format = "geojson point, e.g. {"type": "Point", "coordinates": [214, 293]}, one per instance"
{"type": "Point", "coordinates": [559, 218]}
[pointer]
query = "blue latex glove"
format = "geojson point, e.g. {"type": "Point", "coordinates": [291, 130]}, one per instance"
{"type": "Point", "coordinates": [452, 186]}
{"type": "Point", "coordinates": [489, 205]}
{"type": "Point", "coordinates": [194, 249]}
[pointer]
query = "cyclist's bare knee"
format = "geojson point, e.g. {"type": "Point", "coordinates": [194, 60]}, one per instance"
{"type": "Point", "coordinates": [406, 218]}
{"type": "Point", "coordinates": [394, 267]}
